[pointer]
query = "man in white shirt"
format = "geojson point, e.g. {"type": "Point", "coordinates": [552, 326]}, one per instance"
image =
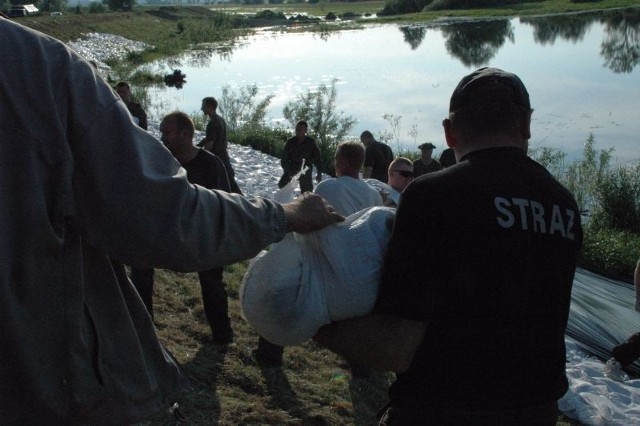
{"type": "Point", "coordinates": [347, 193]}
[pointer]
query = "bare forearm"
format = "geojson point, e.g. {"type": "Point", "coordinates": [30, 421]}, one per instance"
{"type": "Point", "coordinates": [380, 341]}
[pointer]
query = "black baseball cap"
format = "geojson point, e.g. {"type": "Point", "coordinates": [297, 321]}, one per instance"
{"type": "Point", "coordinates": [489, 85]}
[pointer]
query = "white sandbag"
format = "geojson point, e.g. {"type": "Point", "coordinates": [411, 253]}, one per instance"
{"type": "Point", "coordinates": [307, 281]}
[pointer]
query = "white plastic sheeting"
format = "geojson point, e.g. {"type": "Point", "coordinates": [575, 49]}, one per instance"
{"type": "Point", "coordinates": [594, 399]}
{"type": "Point", "coordinates": [602, 314]}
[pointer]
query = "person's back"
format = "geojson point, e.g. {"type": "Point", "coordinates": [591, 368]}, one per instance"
{"type": "Point", "coordinates": [348, 195]}
{"type": "Point", "coordinates": [496, 274]}
{"type": "Point", "coordinates": [379, 156]}
{"type": "Point", "coordinates": [507, 317]}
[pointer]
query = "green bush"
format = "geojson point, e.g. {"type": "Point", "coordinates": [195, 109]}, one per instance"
{"type": "Point", "coordinates": [611, 252]}
{"type": "Point", "coordinates": [242, 110]}
{"type": "Point", "coordinates": [618, 200]}
{"type": "Point", "coordinates": [610, 198]}
{"type": "Point", "coordinates": [267, 140]}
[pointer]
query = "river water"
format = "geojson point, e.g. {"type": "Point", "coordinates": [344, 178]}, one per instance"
{"type": "Point", "coordinates": [581, 71]}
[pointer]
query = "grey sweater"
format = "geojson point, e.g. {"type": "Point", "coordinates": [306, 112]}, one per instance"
{"type": "Point", "coordinates": [79, 183]}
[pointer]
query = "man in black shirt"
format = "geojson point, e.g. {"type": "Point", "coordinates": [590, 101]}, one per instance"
{"type": "Point", "coordinates": [377, 157]}
{"type": "Point", "coordinates": [207, 170]}
{"type": "Point", "coordinates": [215, 140]}
{"type": "Point", "coordinates": [477, 336]}
{"type": "Point", "coordinates": [426, 163]}
{"type": "Point", "coordinates": [298, 150]}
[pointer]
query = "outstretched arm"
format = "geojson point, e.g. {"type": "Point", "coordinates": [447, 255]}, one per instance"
{"type": "Point", "coordinates": [383, 342]}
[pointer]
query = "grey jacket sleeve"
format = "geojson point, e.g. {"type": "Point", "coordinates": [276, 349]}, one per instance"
{"type": "Point", "coordinates": [136, 204]}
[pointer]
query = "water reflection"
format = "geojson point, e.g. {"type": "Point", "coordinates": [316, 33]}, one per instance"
{"type": "Point", "coordinates": [581, 70]}
{"type": "Point", "coordinates": [413, 36]}
{"type": "Point", "coordinates": [569, 27]}
{"type": "Point", "coordinates": [620, 47]}
{"type": "Point", "coordinates": [476, 43]}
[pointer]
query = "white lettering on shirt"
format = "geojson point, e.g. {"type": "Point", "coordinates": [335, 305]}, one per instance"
{"type": "Point", "coordinates": [529, 215]}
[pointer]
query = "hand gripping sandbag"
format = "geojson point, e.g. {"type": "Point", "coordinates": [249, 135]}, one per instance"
{"type": "Point", "coordinates": [307, 281]}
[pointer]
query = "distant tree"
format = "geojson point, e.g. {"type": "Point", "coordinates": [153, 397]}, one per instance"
{"type": "Point", "coordinates": [326, 125]}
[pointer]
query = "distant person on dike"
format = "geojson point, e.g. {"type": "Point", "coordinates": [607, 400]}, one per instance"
{"type": "Point", "coordinates": [377, 157]}
{"type": "Point", "coordinates": [215, 139]}
{"type": "Point", "coordinates": [298, 149]}
{"type": "Point", "coordinates": [206, 170]}
{"type": "Point", "coordinates": [447, 158]}
{"type": "Point", "coordinates": [348, 194]}
{"type": "Point", "coordinates": [139, 114]}
{"type": "Point", "coordinates": [79, 185]}
{"type": "Point", "coordinates": [477, 337]}
{"type": "Point", "coordinates": [426, 163]}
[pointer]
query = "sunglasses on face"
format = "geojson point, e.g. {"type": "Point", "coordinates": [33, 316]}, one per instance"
{"type": "Point", "coordinates": [404, 173]}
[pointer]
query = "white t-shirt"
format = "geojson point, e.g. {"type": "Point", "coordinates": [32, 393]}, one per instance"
{"type": "Point", "coordinates": [348, 195]}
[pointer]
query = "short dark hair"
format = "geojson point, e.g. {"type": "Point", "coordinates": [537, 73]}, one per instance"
{"type": "Point", "coordinates": [353, 152]}
{"type": "Point", "coordinates": [366, 135]}
{"type": "Point", "coordinates": [302, 123]}
{"type": "Point", "coordinates": [182, 120]}
{"type": "Point", "coordinates": [210, 100]}
{"type": "Point", "coordinates": [123, 84]}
